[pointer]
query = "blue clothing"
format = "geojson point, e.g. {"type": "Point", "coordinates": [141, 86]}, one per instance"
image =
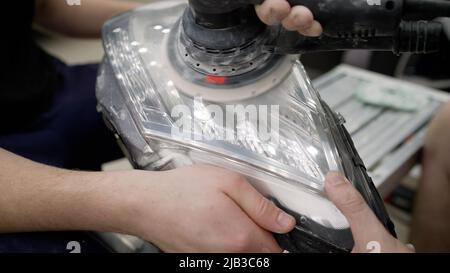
{"type": "Point", "coordinates": [70, 134]}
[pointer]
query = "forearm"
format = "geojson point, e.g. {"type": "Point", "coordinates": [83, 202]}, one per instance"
{"type": "Point", "coordinates": [85, 20]}
{"type": "Point", "coordinates": [34, 197]}
{"type": "Point", "coordinates": [169, 209]}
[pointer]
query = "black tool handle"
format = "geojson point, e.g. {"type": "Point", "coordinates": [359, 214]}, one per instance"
{"type": "Point", "coordinates": [337, 17]}
{"type": "Point", "coordinates": [347, 24]}
{"type": "Point", "coordinates": [413, 37]}
{"type": "Point", "coordinates": [368, 24]}
{"type": "Point", "coordinates": [349, 17]}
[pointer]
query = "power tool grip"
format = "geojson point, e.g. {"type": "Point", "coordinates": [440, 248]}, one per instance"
{"type": "Point", "coordinates": [350, 18]}
{"type": "Point", "coordinates": [347, 24]}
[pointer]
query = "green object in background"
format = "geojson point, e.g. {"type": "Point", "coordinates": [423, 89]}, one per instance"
{"type": "Point", "coordinates": [388, 97]}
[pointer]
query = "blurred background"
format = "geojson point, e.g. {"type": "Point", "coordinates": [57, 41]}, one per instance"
{"type": "Point", "coordinates": [74, 51]}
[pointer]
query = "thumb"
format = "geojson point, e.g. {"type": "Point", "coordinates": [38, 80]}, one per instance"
{"type": "Point", "coordinates": [260, 209]}
{"type": "Point", "coordinates": [366, 228]}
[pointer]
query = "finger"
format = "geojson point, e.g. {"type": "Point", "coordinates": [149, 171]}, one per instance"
{"type": "Point", "coordinates": [314, 31]}
{"type": "Point", "coordinates": [260, 209]}
{"type": "Point", "coordinates": [300, 18]}
{"type": "Point", "coordinates": [245, 234]}
{"type": "Point", "coordinates": [262, 241]}
{"type": "Point", "coordinates": [272, 12]}
{"type": "Point", "coordinates": [363, 222]}
{"type": "Point", "coordinates": [270, 244]}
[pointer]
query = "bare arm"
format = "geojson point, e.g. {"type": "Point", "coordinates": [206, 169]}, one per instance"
{"type": "Point", "coordinates": [167, 208]}
{"type": "Point", "coordinates": [35, 197]}
{"type": "Point", "coordinates": [84, 21]}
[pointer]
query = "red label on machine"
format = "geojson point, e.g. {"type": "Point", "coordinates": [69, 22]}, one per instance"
{"type": "Point", "coordinates": [216, 79]}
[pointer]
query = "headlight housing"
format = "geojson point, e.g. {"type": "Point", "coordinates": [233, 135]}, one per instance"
{"type": "Point", "coordinates": [168, 116]}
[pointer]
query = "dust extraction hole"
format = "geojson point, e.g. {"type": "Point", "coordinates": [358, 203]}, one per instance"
{"type": "Point", "coordinates": [390, 5]}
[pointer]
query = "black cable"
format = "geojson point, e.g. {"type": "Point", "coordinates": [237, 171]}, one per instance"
{"type": "Point", "coordinates": [426, 9]}
{"type": "Point", "coordinates": [418, 37]}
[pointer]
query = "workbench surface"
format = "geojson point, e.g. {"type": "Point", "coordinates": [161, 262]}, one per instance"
{"type": "Point", "coordinates": [388, 141]}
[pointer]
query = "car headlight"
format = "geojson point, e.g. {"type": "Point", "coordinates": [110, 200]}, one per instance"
{"type": "Point", "coordinates": [271, 127]}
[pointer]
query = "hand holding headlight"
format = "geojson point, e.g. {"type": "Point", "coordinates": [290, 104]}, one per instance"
{"type": "Point", "coordinates": [206, 209]}
{"type": "Point", "coordinates": [368, 233]}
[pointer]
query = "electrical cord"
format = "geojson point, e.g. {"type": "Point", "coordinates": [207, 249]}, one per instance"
{"type": "Point", "coordinates": [426, 9]}
{"type": "Point", "coordinates": [405, 58]}
{"type": "Point", "coordinates": [400, 74]}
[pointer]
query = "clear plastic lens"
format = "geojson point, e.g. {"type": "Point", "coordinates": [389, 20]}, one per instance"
{"type": "Point", "coordinates": [294, 150]}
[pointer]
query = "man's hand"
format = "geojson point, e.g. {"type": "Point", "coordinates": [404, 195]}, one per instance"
{"type": "Point", "coordinates": [205, 209]}
{"type": "Point", "coordinates": [196, 209]}
{"type": "Point", "coordinates": [368, 232]}
{"type": "Point", "coordinates": [298, 18]}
